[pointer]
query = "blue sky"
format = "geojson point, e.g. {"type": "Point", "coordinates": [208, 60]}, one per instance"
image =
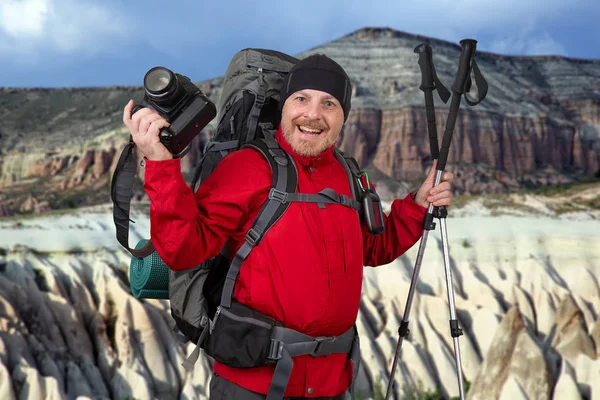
{"type": "Point", "coordinates": [58, 43]}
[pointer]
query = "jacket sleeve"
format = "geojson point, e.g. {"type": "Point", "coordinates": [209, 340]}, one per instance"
{"type": "Point", "coordinates": [403, 228]}
{"type": "Point", "coordinates": [187, 228]}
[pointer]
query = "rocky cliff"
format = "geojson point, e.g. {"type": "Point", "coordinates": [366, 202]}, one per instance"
{"type": "Point", "coordinates": [539, 125]}
{"type": "Point", "coordinates": [526, 280]}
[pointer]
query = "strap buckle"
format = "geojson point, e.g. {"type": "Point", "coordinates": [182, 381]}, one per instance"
{"type": "Point", "coordinates": [260, 100]}
{"type": "Point", "coordinates": [209, 146]}
{"type": "Point", "coordinates": [279, 156]}
{"type": "Point", "coordinates": [266, 126]}
{"type": "Point", "coordinates": [275, 350]}
{"type": "Point", "coordinates": [345, 201]}
{"type": "Point", "coordinates": [252, 236]}
{"type": "Point", "coordinates": [278, 195]}
{"type": "Point", "coordinates": [319, 351]}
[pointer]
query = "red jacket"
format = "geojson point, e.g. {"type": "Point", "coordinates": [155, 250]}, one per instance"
{"type": "Point", "coordinates": [307, 271]}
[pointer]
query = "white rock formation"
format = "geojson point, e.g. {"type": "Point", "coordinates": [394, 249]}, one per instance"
{"type": "Point", "coordinates": [526, 291]}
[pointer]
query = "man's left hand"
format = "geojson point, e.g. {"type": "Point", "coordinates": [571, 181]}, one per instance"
{"type": "Point", "coordinates": [439, 195]}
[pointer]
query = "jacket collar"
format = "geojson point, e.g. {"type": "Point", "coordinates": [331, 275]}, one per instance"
{"type": "Point", "coordinates": [325, 157]}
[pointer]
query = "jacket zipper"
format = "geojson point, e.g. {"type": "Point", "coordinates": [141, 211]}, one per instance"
{"type": "Point", "coordinates": [262, 68]}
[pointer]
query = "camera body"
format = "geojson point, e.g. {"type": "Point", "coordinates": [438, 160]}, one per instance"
{"type": "Point", "coordinates": [180, 102]}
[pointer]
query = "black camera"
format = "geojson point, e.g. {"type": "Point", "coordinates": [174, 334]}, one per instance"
{"type": "Point", "coordinates": [178, 101]}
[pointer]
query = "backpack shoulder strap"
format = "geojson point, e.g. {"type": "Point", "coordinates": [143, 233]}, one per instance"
{"type": "Point", "coordinates": [353, 171]}
{"type": "Point", "coordinates": [285, 180]}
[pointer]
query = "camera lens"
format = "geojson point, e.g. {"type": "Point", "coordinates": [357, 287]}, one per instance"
{"type": "Point", "coordinates": [162, 86]}
{"type": "Point", "coordinates": [158, 79]}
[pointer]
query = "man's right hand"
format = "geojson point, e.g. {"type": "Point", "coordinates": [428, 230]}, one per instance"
{"type": "Point", "coordinates": [144, 127]}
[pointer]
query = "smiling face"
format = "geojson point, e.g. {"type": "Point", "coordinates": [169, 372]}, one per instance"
{"type": "Point", "coordinates": [311, 121]}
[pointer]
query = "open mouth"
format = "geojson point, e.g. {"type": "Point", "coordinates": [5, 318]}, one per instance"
{"type": "Point", "coordinates": [310, 131]}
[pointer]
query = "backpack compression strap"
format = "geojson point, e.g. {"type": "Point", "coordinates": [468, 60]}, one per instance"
{"type": "Point", "coordinates": [259, 102]}
{"type": "Point", "coordinates": [121, 191]}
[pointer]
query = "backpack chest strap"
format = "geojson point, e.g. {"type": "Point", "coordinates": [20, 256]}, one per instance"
{"type": "Point", "coordinates": [325, 196]}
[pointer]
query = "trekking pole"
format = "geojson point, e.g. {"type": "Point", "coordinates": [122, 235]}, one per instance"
{"type": "Point", "coordinates": [462, 85]}
{"type": "Point", "coordinates": [429, 82]}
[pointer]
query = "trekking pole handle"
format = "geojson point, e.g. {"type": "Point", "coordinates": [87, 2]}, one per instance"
{"type": "Point", "coordinates": [428, 86]}
{"type": "Point", "coordinates": [458, 88]}
{"type": "Point", "coordinates": [464, 65]}
{"type": "Point", "coordinates": [426, 65]}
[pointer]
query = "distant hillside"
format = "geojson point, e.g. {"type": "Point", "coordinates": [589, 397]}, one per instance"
{"type": "Point", "coordinates": [538, 126]}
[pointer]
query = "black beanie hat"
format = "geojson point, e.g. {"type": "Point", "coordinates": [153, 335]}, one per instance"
{"type": "Point", "coordinates": [319, 72]}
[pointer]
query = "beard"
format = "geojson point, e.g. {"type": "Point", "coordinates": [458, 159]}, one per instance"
{"type": "Point", "coordinates": [305, 147]}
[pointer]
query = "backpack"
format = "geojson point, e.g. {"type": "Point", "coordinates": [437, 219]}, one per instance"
{"type": "Point", "coordinates": [201, 301]}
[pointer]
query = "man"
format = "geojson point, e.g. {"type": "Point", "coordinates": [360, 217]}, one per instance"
{"type": "Point", "coordinates": [307, 271]}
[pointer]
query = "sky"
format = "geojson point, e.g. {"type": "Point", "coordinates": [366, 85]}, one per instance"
{"type": "Point", "coordinates": [91, 43]}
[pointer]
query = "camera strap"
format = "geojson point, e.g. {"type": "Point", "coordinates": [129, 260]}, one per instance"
{"type": "Point", "coordinates": [121, 192]}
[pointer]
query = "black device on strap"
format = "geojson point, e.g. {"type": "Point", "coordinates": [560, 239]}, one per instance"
{"type": "Point", "coordinates": [373, 213]}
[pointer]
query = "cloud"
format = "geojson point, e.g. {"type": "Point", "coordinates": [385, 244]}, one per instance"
{"type": "Point", "coordinates": [544, 45]}
{"type": "Point", "coordinates": [24, 18]}
{"type": "Point", "coordinates": [442, 16]}
{"type": "Point", "coordinates": [525, 43]}
{"type": "Point", "coordinates": [62, 27]}
{"type": "Point", "coordinates": [529, 39]}
{"type": "Point", "coordinates": [91, 26]}
{"type": "Point", "coordinates": [506, 26]}
{"type": "Point", "coordinates": [88, 40]}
